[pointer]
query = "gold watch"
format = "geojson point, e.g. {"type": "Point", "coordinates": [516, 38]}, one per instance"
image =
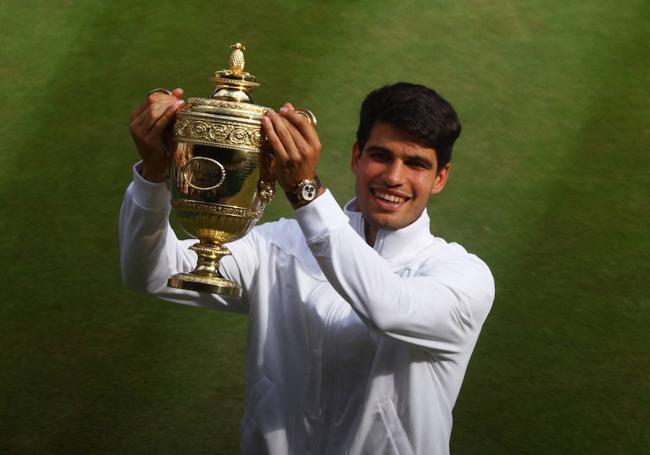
{"type": "Point", "coordinates": [305, 192]}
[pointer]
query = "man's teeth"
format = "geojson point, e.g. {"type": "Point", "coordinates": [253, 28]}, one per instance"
{"type": "Point", "coordinates": [388, 197]}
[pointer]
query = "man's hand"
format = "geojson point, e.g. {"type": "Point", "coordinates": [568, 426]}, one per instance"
{"type": "Point", "coordinates": [150, 130]}
{"type": "Point", "coordinates": [296, 144]}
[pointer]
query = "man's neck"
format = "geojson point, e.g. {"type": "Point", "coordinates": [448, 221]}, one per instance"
{"type": "Point", "coordinates": [370, 233]}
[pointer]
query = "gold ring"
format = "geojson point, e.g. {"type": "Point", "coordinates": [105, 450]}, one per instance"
{"type": "Point", "coordinates": [309, 115]}
{"type": "Point", "coordinates": [159, 90]}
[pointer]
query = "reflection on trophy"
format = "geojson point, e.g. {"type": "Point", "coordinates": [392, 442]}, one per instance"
{"type": "Point", "coordinates": [220, 176]}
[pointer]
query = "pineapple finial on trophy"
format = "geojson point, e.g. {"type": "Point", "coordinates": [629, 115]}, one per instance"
{"type": "Point", "coordinates": [234, 84]}
{"type": "Point", "coordinates": [237, 61]}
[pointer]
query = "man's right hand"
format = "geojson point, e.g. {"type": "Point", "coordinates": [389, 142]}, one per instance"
{"type": "Point", "coordinates": [151, 133]}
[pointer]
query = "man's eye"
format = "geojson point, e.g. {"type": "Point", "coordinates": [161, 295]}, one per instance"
{"type": "Point", "coordinates": [419, 165]}
{"type": "Point", "coordinates": [379, 156]}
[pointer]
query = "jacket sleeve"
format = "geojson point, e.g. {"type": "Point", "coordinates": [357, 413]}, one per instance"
{"type": "Point", "coordinates": [442, 307]}
{"type": "Point", "coordinates": [150, 252]}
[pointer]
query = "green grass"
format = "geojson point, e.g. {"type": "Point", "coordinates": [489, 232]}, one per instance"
{"type": "Point", "coordinates": [549, 182]}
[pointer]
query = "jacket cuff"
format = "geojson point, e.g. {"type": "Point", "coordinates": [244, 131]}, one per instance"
{"type": "Point", "coordinates": [146, 194]}
{"type": "Point", "coordinates": [320, 217]}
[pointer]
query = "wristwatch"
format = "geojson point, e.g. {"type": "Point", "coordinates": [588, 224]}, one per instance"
{"type": "Point", "coordinates": [305, 192]}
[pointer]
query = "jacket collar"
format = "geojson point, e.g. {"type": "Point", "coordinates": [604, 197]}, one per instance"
{"type": "Point", "coordinates": [396, 246]}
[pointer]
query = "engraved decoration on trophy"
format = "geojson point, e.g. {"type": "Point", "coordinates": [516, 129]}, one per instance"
{"type": "Point", "coordinates": [220, 175]}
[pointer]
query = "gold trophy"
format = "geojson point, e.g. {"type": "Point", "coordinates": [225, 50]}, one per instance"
{"type": "Point", "coordinates": [220, 175]}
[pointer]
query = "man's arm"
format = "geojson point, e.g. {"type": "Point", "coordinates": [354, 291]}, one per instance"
{"type": "Point", "coordinates": [443, 308]}
{"type": "Point", "coordinates": [150, 251]}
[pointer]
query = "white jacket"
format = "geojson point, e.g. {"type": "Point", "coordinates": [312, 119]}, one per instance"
{"type": "Point", "coordinates": [351, 349]}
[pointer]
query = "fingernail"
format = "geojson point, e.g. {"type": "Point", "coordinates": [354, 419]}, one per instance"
{"type": "Point", "coordinates": [179, 102]}
{"type": "Point", "coordinates": [284, 109]}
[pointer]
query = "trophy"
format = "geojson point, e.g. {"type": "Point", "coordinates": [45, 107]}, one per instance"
{"type": "Point", "coordinates": [220, 175]}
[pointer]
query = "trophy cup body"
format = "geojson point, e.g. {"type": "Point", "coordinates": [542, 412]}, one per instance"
{"type": "Point", "coordinates": [220, 174]}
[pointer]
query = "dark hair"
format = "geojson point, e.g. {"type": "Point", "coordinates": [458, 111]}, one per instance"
{"type": "Point", "coordinates": [416, 110]}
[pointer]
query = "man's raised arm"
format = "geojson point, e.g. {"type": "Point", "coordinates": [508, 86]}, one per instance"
{"type": "Point", "coordinates": [441, 307]}
{"type": "Point", "coordinates": [150, 252]}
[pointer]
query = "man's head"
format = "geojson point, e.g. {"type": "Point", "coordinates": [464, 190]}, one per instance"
{"type": "Point", "coordinates": [418, 111]}
{"type": "Point", "coordinates": [404, 144]}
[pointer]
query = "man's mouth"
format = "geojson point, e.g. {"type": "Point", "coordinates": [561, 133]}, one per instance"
{"type": "Point", "coordinates": [390, 198]}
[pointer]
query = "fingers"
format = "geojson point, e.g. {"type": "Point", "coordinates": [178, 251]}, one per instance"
{"type": "Point", "coordinates": [178, 93]}
{"type": "Point", "coordinates": [290, 132]}
{"type": "Point", "coordinates": [296, 144]}
{"type": "Point", "coordinates": [273, 139]}
{"type": "Point", "coordinates": [138, 110]}
{"type": "Point", "coordinates": [302, 125]}
{"type": "Point", "coordinates": [151, 100]}
{"type": "Point", "coordinates": [302, 145]}
{"type": "Point", "coordinates": [280, 137]}
{"type": "Point", "coordinates": [150, 120]}
{"type": "Point", "coordinates": [163, 121]}
{"type": "Point", "coordinates": [147, 119]}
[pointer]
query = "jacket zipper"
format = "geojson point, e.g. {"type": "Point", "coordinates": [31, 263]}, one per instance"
{"type": "Point", "coordinates": [329, 338]}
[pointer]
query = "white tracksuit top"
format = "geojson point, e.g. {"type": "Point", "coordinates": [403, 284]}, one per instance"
{"type": "Point", "coordinates": [351, 349]}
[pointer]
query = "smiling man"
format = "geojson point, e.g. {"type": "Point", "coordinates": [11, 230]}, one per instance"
{"type": "Point", "coordinates": [395, 177]}
{"type": "Point", "coordinates": [362, 323]}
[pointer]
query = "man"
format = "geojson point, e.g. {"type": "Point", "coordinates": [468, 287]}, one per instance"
{"type": "Point", "coordinates": [361, 323]}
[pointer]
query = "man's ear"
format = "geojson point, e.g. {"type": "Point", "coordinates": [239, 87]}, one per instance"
{"type": "Point", "coordinates": [356, 154]}
{"type": "Point", "coordinates": [441, 179]}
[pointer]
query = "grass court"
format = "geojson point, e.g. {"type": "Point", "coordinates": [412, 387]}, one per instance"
{"type": "Point", "coordinates": [550, 174]}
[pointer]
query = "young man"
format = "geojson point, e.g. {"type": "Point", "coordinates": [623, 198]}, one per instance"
{"type": "Point", "coordinates": [361, 323]}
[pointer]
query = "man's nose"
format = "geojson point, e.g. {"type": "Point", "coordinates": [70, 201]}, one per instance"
{"type": "Point", "coordinates": [393, 173]}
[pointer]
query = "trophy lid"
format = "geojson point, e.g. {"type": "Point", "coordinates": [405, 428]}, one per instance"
{"type": "Point", "coordinates": [234, 84]}
{"type": "Point", "coordinates": [231, 96]}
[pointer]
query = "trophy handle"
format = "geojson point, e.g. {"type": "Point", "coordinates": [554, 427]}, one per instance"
{"type": "Point", "coordinates": [266, 190]}
{"type": "Point", "coordinates": [266, 182]}
{"type": "Point", "coordinates": [308, 114]}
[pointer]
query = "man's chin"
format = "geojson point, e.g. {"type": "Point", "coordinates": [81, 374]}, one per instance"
{"type": "Point", "coordinates": [386, 222]}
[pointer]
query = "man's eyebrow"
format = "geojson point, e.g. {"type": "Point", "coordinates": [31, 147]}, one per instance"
{"type": "Point", "coordinates": [378, 148]}
{"type": "Point", "coordinates": [409, 159]}
{"type": "Point", "coordinates": [420, 160]}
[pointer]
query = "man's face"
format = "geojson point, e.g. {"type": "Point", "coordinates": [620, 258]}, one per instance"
{"type": "Point", "coordinates": [394, 179]}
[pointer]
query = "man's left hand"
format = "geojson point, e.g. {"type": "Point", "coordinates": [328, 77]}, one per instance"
{"type": "Point", "coordinates": [296, 145]}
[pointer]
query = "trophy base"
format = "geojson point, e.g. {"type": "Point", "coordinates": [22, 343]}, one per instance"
{"type": "Point", "coordinates": [213, 285]}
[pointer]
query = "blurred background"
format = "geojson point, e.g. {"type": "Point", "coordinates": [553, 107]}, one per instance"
{"type": "Point", "coordinates": [549, 179]}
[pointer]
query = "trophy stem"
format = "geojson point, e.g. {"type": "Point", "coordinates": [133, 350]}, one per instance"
{"type": "Point", "coordinates": [206, 276]}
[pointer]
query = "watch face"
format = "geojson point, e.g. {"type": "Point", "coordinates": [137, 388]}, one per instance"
{"type": "Point", "coordinates": [308, 192]}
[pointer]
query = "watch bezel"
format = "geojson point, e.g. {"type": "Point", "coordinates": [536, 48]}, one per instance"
{"type": "Point", "coordinates": [307, 190]}
{"type": "Point", "coordinates": [297, 196]}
